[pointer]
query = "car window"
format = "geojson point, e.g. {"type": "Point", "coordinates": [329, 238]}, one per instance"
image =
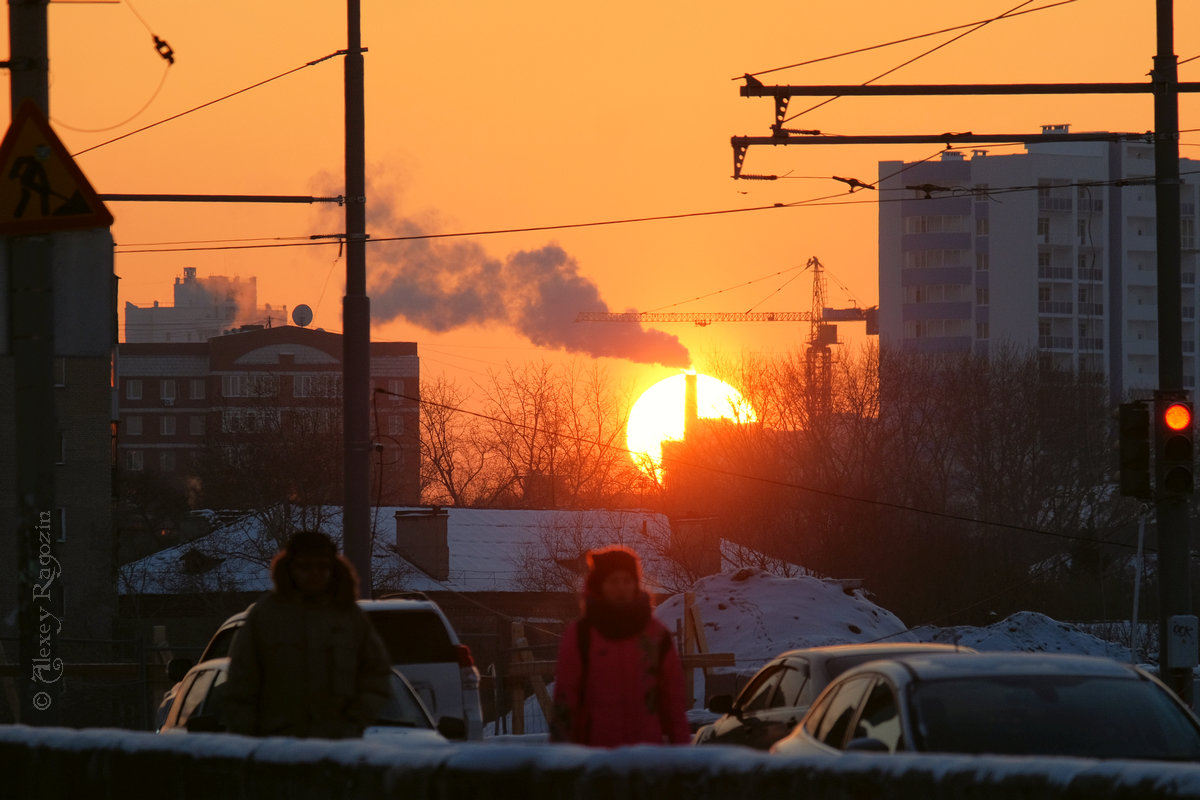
{"type": "Point", "coordinates": [880, 718]}
{"type": "Point", "coordinates": [215, 704]}
{"type": "Point", "coordinates": [195, 695]}
{"type": "Point", "coordinates": [219, 646]}
{"type": "Point", "coordinates": [833, 726]}
{"type": "Point", "coordinates": [414, 636]}
{"type": "Point", "coordinates": [792, 684]}
{"type": "Point", "coordinates": [403, 709]}
{"type": "Point", "coordinates": [759, 693]}
{"type": "Point", "coordinates": [1090, 717]}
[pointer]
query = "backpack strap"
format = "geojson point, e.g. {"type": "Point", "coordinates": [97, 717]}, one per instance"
{"type": "Point", "coordinates": [583, 638]}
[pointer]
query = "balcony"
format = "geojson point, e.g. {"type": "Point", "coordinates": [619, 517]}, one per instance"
{"type": "Point", "coordinates": [1094, 344]}
{"type": "Point", "coordinates": [1055, 343]}
{"type": "Point", "coordinates": [1055, 273]}
{"type": "Point", "coordinates": [1055, 307]}
{"type": "Point", "coordinates": [1054, 204]}
{"type": "Point", "coordinates": [1091, 309]}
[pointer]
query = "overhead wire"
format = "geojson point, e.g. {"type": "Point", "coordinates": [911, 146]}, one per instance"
{"type": "Point", "coordinates": [905, 40]}
{"type": "Point", "coordinates": [915, 58]}
{"type": "Point", "coordinates": [767, 480]}
{"type": "Point", "coordinates": [827, 200]}
{"type": "Point", "coordinates": [206, 105]}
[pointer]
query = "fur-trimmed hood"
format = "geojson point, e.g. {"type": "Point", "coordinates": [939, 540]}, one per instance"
{"type": "Point", "coordinates": [343, 585]}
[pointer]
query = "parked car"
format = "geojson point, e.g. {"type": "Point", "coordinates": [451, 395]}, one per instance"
{"type": "Point", "coordinates": [775, 699]}
{"type": "Point", "coordinates": [420, 641]}
{"type": "Point", "coordinates": [201, 697]}
{"type": "Point", "coordinates": [998, 703]}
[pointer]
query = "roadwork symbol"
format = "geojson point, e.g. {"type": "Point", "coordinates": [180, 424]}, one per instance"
{"type": "Point", "coordinates": [41, 187]}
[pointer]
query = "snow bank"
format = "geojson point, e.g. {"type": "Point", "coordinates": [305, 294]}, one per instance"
{"type": "Point", "coordinates": [757, 616]}
{"type": "Point", "coordinates": [1026, 631]}
{"type": "Point", "coordinates": [54, 763]}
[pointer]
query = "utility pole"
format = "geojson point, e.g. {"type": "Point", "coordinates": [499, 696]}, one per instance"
{"type": "Point", "coordinates": [1173, 547]}
{"type": "Point", "coordinates": [356, 319]}
{"type": "Point", "coordinates": [1179, 628]}
{"type": "Point", "coordinates": [30, 338]}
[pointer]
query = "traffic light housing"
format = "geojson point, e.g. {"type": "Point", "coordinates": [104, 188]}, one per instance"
{"type": "Point", "coordinates": [1174, 452]}
{"type": "Point", "coordinates": [1134, 438]}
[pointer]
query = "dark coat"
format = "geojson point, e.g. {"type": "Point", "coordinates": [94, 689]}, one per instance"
{"type": "Point", "coordinates": [306, 668]}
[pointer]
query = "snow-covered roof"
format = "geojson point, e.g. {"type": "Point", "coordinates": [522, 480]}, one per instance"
{"type": "Point", "coordinates": [500, 550]}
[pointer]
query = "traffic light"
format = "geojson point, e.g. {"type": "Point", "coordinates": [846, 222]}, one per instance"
{"type": "Point", "coordinates": [1174, 459]}
{"type": "Point", "coordinates": [1134, 437]}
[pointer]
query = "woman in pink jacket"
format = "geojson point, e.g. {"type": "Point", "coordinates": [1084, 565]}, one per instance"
{"type": "Point", "coordinates": [619, 680]}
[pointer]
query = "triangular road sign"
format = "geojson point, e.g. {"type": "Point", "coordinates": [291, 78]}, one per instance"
{"type": "Point", "coordinates": [41, 188]}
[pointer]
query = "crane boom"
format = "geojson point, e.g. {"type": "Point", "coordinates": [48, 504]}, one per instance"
{"type": "Point", "coordinates": [698, 317]}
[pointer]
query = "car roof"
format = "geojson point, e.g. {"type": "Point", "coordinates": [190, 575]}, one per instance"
{"type": "Point", "coordinates": [883, 648]}
{"type": "Point", "coordinates": [972, 665]}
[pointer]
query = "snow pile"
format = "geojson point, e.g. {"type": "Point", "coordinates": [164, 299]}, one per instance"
{"type": "Point", "coordinates": [1025, 631]}
{"type": "Point", "coordinates": [756, 615]}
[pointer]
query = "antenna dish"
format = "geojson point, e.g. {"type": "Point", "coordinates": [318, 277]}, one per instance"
{"type": "Point", "coordinates": [302, 315]}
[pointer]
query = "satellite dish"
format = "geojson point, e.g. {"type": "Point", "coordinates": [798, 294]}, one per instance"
{"type": "Point", "coordinates": [302, 315]}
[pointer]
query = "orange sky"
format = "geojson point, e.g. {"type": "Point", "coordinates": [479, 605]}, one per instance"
{"type": "Point", "coordinates": [483, 115]}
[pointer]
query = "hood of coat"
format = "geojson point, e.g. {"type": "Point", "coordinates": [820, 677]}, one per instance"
{"type": "Point", "coordinates": [343, 585]}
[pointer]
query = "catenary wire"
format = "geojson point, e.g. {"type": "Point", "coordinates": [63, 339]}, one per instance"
{"type": "Point", "coordinates": [902, 41]}
{"type": "Point", "coordinates": [206, 105]}
{"type": "Point", "coordinates": [153, 96]}
{"type": "Point", "coordinates": [916, 58]}
{"type": "Point", "coordinates": [772, 481]}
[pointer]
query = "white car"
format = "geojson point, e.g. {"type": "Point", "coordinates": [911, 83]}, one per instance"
{"type": "Point", "coordinates": [420, 642]}
{"type": "Point", "coordinates": [201, 697]}
{"type": "Point", "coordinates": [1015, 704]}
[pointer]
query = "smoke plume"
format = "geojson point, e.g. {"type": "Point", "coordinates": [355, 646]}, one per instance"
{"type": "Point", "coordinates": [441, 285]}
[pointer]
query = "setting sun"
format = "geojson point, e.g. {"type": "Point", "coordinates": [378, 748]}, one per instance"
{"type": "Point", "coordinates": [658, 415]}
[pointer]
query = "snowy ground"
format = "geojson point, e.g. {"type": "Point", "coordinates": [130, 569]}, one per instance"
{"type": "Point", "coordinates": [756, 616]}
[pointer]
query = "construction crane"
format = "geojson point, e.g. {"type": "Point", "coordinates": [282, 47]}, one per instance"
{"type": "Point", "coordinates": [822, 333]}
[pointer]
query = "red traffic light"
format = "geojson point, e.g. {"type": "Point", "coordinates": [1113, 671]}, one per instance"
{"type": "Point", "coordinates": [1177, 416]}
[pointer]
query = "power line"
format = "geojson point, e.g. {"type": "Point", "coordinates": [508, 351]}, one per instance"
{"type": "Point", "coordinates": [903, 41]}
{"type": "Point", "coordinates": [769, 481]}
{"type": "Point", "coordinates": [838, 199]}
{"type": "Point", "coordinates": [916, 58]}
{"type": "Point", "coordinates": [209, 103]}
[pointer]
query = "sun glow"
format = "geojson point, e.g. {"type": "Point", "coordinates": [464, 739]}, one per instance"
{"type": "Point", "coordinates": [658, 415]}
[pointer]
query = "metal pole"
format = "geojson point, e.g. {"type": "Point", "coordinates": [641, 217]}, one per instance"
{"type": "Point", "coordinates": [1174, 591]}
{"type": "Point", "coordinates": [356, 319]}
{"type": "Point", "coordinates": [31, 343]}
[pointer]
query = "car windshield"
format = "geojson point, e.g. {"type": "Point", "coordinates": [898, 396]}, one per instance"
{"type": "Point", "coordinates": [1090, 717]}
{"type": "Point", "coordinates": [414, 636]}
{"type": "Point", "coordinates": [404, 709]}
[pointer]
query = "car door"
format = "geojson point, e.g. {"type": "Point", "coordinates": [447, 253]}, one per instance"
{"type": "Point", "coordinates": [738, 726]}
{"type": "Point", "coordinates": [840, 712]}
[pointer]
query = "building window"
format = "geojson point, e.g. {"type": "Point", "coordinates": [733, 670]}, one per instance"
{"type": "Point", "coordinates": [1187, 233]}
{"type": "Point", "coordinates": [133, 426]}
{"type": "Point", "coordinates": [981, 330]}
{"type": "Point", "coordinates": [981, 299]}
{"type": "Point", "coordinates": [317, 386]}
{"type": "Point", "coordinates": [133, 460]}
{"type": "Point", "coordinates": [62, 448]}
{"type": "Point", "coordinates": [60, 523]}
{"type": "Point", "coordinates": [981, 226]}
{"type": "Point", "coordinates": [197, 388]}
{"type": "Point", "coordinates": [166, 391]}
{"type": "Point", "coordinates": [395, 424]}
{"type": "Point", "coordinates": [196, 425]}
{"type": "Point", "coordinates": [1043, 229]}
{"type": "Point", "coordinates": [248, 386]}
{"type": "Point", "coordinates": [982, 261]}
{"type": "Point", "coordinates": [1082, 228]}
{"type": "Point", "coordinates": [917, 259]}
{"type": "Point", "coordinates": [166, 425]}
{"type": "Point", "coordinates": [60, 372]}
{"type": "Point", "coordinates": [396, 387]}
{"type": "Point", "coordinates": [133, 389]}
{"type": "Point", "coordinates": [166, 461]}
{"type": "Point", "coordinates": [935, 223]}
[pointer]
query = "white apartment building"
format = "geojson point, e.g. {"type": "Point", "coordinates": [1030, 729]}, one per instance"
{"type": "Point", "coordinates": [1066, 264]}
{"type": "Point", "coordinates": [204, 308]}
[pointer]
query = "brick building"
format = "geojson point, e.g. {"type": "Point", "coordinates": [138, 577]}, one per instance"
{"type": "Point", "coordinates": [174, 400]}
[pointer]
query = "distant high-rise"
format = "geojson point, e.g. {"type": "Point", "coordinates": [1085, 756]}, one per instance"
{"type": "Point", "coordinates": [204, 308]}
{"type": "Point", "coordinates": [1051, 249]}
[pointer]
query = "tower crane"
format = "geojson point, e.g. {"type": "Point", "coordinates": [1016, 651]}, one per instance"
{"type": "Point", "coordinates": [822, 332]}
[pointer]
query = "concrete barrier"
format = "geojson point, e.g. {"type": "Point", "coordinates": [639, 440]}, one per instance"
{"type": "Point", "coordinates": [52, 763]}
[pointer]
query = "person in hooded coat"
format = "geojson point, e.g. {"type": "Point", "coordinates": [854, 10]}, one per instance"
{"type": "Point", "coordinates": [618, 680]}
{"type": "Point", "coordinates": [307, 662]}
